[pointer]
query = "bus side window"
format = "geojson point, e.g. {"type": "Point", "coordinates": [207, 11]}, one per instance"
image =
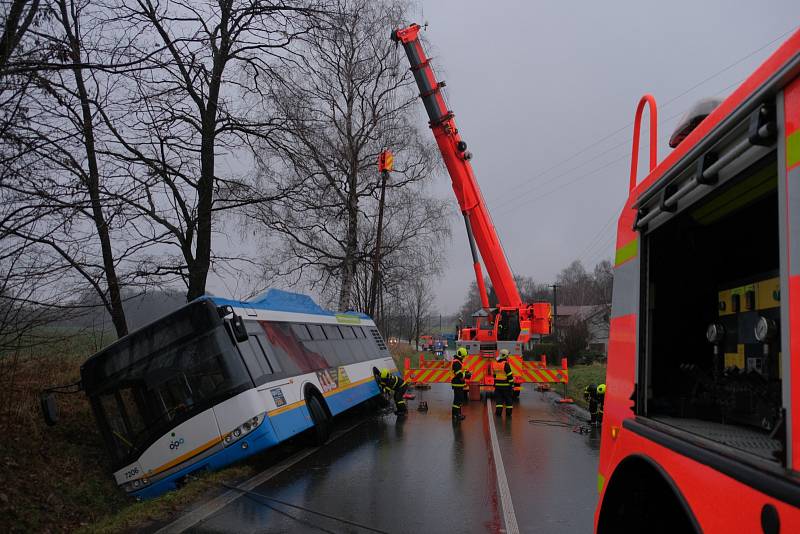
{"type": "Point", "coordinates": [255, 359]}
{"type": "Point", "coordinates": [338, 344]}
{"type": "Point", "coordinates": [301, 332]}
{"type": "Point", "coordinates": [331, 332]}
{"type": "Point", "coordinates": [367, 343]}
{"type": "Point", "coordinates": [320, 345]}
{"type": "Point", "coordinates": [353, 343]}
{"type": "Point", "coordinates": [316, 332]}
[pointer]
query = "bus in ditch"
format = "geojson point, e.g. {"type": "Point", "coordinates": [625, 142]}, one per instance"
{"type": "Point", "coordinates": [219, 380]}
{"type": "Point", "coordinates": [701, 428]}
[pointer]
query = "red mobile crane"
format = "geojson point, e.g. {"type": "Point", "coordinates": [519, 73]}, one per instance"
{"type": "Point", "coordinates": [512, 321]}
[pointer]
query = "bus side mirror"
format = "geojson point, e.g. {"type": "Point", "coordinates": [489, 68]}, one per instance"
{"type": "Point", "coordinates": [239, 328]}
{"type": "Point", "coordinates": [47, 401]}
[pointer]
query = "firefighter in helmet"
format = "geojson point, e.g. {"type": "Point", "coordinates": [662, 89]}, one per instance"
{"type": "Point", "coordinates": [391, 383]}
{"type": "Point", "coordinates": [503, 382]}
{"type": "Point", "coordinates": [595, 395]}
{"type": "Point", "coordinates": [601, 398]}
{"type": "Point", "coordinates": [459, 382]}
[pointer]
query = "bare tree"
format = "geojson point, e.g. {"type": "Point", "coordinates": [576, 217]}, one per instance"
{"type": "Point", "coordinates": [418, 306]}
{"type": "Point", "coordinates": [17, 17]}
{"type": "Point", "coordinates": [416, 228]}
{"type": "Point", "coordinates": [183, 118]}
{"type": "Point", "coordinates": [348, 98]}
{"type": "Point", "coordinates": [55, 180]}
{"type": "Point", "coordinates": [604, 282]}
{"type": "Point", "coordinates": [574, 337]}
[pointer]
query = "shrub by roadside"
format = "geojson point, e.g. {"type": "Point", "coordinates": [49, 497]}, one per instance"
{"type": "Point", "coordinates": [401, 351]}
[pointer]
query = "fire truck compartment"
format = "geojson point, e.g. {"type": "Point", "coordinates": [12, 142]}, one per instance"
{"type": "Point", "coordinates": [710, 341]}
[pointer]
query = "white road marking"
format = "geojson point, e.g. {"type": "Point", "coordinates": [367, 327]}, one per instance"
{"type": "Point", "coordinates": [216, 504]}
{"type": "Point", "coordinates": [509, 516]}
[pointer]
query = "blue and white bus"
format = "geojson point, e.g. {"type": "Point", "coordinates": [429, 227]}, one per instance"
{"type": "Point", "coordinates": [219, 380]}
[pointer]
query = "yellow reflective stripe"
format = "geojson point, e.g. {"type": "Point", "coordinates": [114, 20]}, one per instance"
{"type": "Point", "coordinates": [347, 319]}
{"type": "Point", "coordinates": [627, 251]}
{"type": "Point", "coordinates": [184, 457]}
{"type": "Point", "coordinates": [286, 408]}
{"type": "Point", "coordinates": [793, 149]}
{"type": "Point", "coordinates": [343, 388]}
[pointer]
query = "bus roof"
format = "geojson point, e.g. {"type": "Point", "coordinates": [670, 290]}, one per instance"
{"type": "Point", "coordinates": [283, 301]}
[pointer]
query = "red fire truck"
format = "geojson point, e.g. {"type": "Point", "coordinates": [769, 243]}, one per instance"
{"type": "Point", "coordinates": [702, 410]}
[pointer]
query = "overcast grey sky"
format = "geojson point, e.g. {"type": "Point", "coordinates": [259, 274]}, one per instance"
{"type": "Point", "coordinates": [535, 85]}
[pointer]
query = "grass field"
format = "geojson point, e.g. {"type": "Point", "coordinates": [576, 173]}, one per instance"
{"type": "Point", "coordinates": [582, 375]}
{"type": "Point", "coordinates": [401, 351]}
{"type": "Point", "coordinates": [58, 478]}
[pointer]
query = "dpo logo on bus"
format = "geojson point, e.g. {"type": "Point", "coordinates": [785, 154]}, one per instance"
{"type": "Point", "coordinates": [175, 443]}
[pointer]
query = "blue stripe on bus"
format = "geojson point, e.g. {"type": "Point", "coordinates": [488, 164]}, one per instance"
{"type": "Point", "coordinates": [272, 431]}
{"type": "Point", "coordinates": [339, 402]}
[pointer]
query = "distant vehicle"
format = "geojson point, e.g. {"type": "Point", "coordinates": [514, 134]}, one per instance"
{"type": "Point", "coordinates": [425, 343]}
{"type": "Point", "coordinates": [393, 341]}
{"type": "Point", "coordinates": [701, 431]}
{"type": "Point", "coordinates": [219, 380]}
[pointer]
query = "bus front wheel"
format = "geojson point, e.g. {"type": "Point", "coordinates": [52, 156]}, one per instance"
{"type": "Point", "coordinates": [322, 423]}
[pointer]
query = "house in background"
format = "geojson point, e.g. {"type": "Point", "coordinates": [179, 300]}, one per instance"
{"type": "Point", "coordinates": [597, 318]}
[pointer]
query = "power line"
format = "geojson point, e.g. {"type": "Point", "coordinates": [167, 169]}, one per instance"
{"type": "Point", "coordinates": [602, 249]}
{"type": "Point", "coordinates": [579, 152]}
{"type": "Point", "coordinates": [519, 198]}
{"type": "Point", "coordinates": [593, 241]}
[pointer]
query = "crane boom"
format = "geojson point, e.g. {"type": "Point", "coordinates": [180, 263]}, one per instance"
{"type": "Point", "coordinates": [480, 229]}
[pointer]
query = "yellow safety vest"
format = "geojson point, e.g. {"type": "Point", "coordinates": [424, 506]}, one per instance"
{"type": "Point", "coordinates": [500, 377]}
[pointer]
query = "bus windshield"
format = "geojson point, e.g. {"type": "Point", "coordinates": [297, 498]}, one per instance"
{"type": "Point", "coordinates": [153, 387]}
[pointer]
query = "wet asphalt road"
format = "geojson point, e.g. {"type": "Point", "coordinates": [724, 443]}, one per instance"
{"type": "Point", "coordinates": [425, 474]}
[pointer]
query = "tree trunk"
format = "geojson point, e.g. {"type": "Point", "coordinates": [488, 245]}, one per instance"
{"type": "Point", "coordinates": [16, 24]}
{"type": "Point", "coordinates": [351, 247]}
{"type": "Point", "coordinates": [198, 269]}
{"type": "Point", "coordinates": [373, 291]}
{"type": "Point", "coordinates": [114, 305]}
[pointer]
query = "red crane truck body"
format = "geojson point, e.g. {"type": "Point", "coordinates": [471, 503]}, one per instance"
{"type": "Point", "coordinates": [512, 322]}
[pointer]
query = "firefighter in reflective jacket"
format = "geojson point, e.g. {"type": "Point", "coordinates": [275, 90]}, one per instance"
{"type": "Point", "coordinates": [391, 383]}
{"type": "Point", "coordinates": [459, 382]}
{"type": "Point", "coordinates": [601, 398]}
{"type": "Point", "coordinates": [595, 396]}
{"type": "Point", "coordinates": [503, 382]}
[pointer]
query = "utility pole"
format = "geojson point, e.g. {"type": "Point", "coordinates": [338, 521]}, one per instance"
{"type": "Point", "coordinates": [554, 330]}
{"type": "Point", "coordinates": [385, 165]}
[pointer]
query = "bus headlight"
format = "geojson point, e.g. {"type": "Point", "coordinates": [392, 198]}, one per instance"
{"type": "Point", "coordinates": [243, 429]}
